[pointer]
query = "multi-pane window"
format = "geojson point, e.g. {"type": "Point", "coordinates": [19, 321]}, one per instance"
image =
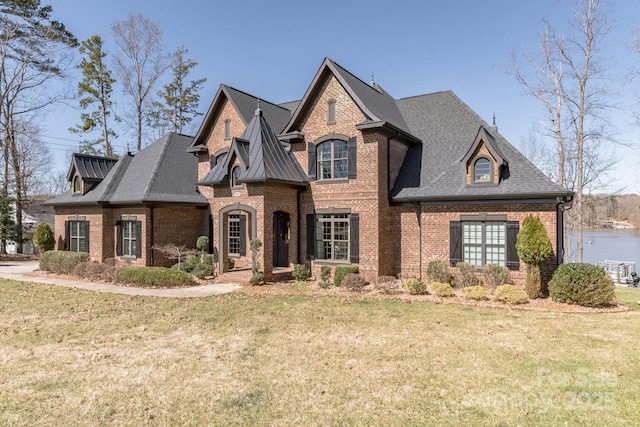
{"type": "Point", "coordinates": [234, 235]}
{"type": "Point", "coordinates": [129, 238]}
{"type": "Point", "coordinates": [484, 242]}
{"type": "Point", "coordinates": [78, 236]}
{"type": "Point", "coordinates": [332, 237]}
{"type": "Point", "coordinates": [332, 159]}
{"type": "Point", "coordinates": [482, 170]}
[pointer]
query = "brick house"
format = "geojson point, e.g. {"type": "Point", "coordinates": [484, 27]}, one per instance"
{"type": "Point", "coordinates": [347, 174]}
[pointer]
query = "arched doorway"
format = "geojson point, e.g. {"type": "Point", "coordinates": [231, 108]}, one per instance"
{"type": "Point", "coordinates": [280, 239]}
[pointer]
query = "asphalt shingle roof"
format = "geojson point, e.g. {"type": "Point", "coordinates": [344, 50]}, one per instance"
{"type": "Point", "coordinates": [434, 170]}
{"type": "Point", "coordinates": [162, 172]}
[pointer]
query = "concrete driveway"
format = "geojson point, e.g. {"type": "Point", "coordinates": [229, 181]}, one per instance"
{"type": "Point", "coordinates": [22, 271]}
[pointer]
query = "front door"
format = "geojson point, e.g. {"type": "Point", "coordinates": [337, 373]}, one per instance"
{"type": "Point", "coordinates": [280, 239]}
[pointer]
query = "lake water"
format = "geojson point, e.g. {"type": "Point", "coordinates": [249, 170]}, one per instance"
{"type": "Point", "coordinates": [616, 245]}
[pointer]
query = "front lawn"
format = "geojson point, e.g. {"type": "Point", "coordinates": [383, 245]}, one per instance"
{"type": "Point", "coordinates": [72, 357]}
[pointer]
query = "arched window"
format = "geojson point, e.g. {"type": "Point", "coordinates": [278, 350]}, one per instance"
{"type": "Point", "coordinates": [77, 184]}
{"type": "Point", "coordinates": [333, 159]}
{"type": "Point", "coordinates": [227, 129]}
{"type": "Point", "coordinates": [235, 175]}
{"type": "Point", "coordinates": [482, 170]}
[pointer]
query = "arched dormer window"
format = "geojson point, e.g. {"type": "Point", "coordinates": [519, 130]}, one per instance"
{"type": "Point", "coordinates": [77, 184]}
{"type": "Point", "coordinates": [235, 175]}
{"type": "Point", "coordinates": [333, 159]}
{"type": "Point", "coordinates": [482, 170]}
{"type": "Point", "coordinates": [331, 111]}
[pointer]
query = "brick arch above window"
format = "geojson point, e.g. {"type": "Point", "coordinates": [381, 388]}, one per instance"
{"type": "Point", "coordinates": [230, 209]}
{"type": "Point", "coordinates": [482, 170]}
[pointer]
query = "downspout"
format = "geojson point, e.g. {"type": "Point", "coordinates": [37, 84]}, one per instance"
{"type": "Point", "coordinates": [151, 239]}
{"type": "Point", "coordinates": [562, 204]}
{"type": "Point", "coordinates": [298, 219]}
{"type": "Point", "coordinates": [419, 213]}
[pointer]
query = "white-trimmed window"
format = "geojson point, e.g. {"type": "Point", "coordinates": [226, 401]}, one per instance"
{"type": "Point", "coordinates": [484, 242]}
{"type": "Point", "coordinates": [129, 238]}
{"type": "Point", "coordinates": [78, 234]}
{"type": "Point", "coordinates": [333, 159]}
{"type": "Point", "coordinates": [482, 170]}
{"type": "Point", "coordinates": [234, 235]}
{"type": "Point", "coordinates": [332, 237]}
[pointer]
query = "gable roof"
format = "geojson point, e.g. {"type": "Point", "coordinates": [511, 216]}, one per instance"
{"type": "Point", "coordinates": [162, 172]}
{"type": "Point", "coordinates": [432, 171]}
{"type": "Point", "coordinates": [90, 167]}
{"type": "Point", "coordinates": [276, 115]}
{"type": "Point", "coordinates": [485, 137]}
{"type": "Point", "coordinates": [266, 158]}
{"type": "Point", "coordinates": [379, 108]}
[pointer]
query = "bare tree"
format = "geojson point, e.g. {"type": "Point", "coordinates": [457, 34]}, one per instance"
{"type": "Point", "coordinates": [173, 251]}
{"type": "Point", "coordinates": [570, 81]}
{"type": "Point", "coordinates": [34, 52]}
{"type": "Point", "coordinates": [139, 63]}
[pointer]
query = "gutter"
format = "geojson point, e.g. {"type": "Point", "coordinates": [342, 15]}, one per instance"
{"type": "Point", "coordinates": [562, 204]}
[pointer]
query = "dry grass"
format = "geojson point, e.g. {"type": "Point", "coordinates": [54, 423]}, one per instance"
{"type": "Point", "coordinates": [71, 357]}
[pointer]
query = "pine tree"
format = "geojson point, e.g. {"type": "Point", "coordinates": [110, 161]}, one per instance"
{"type": "Point", "coordinates": [95, 88]}
{"type": "Point", "coordinates": [180, 100]}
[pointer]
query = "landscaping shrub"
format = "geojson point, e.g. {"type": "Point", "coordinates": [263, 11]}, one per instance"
{"type": "Point", "coordinates": [582, 284]}
{"type": "Point", "coordinates": [415, 286]}
{"type": "Point", "coordinates": [441, 289]}
{"type": "Point", "coordinates": [438, 271]}
{"type": "Point", "coordinates": [534, 247]}
{"type": "Point", "coordinates": [257, 279]}
{"type": "Point", "coordinates": [301, 272]}
{"type": "Point", "coordinates": [341, 271]}
{"type": "Point", "coordinates": [511, 294]}
{"type": "Point", "coordinates": [496, 275]}
{"type": "Point", "coordinates": [62, 262]}
{"type": "Point", "coordinates": [354, 282]}
{"type": "Point", "coordinates": [43, 238]}
{"type": "Point", "coordinates": [464, 275]}
{"type": "Point", "coordinates": [475, 292]}
{"type": "Point", "coordinates": [202, 270]}
{"type": "Point", "coordinates": [153, 277]}
{"type": "Point", "coordinates": [94, 271]}
{"type": "Point", "coordinates": [325, 275]}
{"type": "Point", "coordinates": [231, 263]}
{"type": "Point", "coordinates": [202, 244]}
{"type": "Point", "coordinates": [387, 285]}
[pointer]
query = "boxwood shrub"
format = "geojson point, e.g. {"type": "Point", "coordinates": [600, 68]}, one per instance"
{"type": "Point", "coordinates": [511, 294]}
{"type": "Point", "coordinates": [415, 286]}
{"type": "Point", "coordinates": [441, 289]}
{"type": "Point", "coordinates": [153, 277]}
{"type": "Point", "coordinates": [61, 262]}
{"type": "Point", "coordinates": [300, 272]}
{"type": "Point", "coordinates": [341, 271]}
{"type": "Point", "coordinates": [475, 292]}
{"type": "Point", "coordinates": [582, 284]}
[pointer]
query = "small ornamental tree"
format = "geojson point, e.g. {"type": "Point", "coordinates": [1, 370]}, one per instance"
{"type": "Point", "coordinates": [202, 244]}
{"type": "Point", "coordinates": [534, 247]}
{"type": "Point", "coordinates": [44, 238]}
{"type": "Point", "coordinates": [255, 246]}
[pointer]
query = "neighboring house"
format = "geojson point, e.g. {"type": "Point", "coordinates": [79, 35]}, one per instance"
{"type": "Point", "coordinates": [34, 213]}
{"type": "Point", "coordinates": [347, 174]}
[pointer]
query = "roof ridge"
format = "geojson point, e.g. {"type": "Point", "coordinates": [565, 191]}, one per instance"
{"type": "Point", "coordinates": [426, 94]}
{"type": "Point", "coordinates": [121, 164]}
{"type": "Point", "coordinates": [358, 78]}
{"type": "Point", "coordinates": [156, 166]}
{"type": "Point", "coordinates": [253, 96]}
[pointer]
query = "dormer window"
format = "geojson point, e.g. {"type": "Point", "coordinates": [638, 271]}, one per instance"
{"type": "Point", "coordinates": [77, 184]}
{"type": "Point", "coordinates": [331, 112]}
{"type": "Point", "coordinates": [227, 129]}
{"type": "Point", "coordinates": [235, 177]}
{"type": "Point", "coordinates": [482, 170]}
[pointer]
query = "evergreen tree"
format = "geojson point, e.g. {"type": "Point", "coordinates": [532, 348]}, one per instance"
{"type": "Point", "coordinates": [179, 99]}
{"type": "Point", "coordinates": [534, 247]}
{"type": "Point", "coordinates": [7, 224]}
{"type": "Point", "coordinates": [95, 88]}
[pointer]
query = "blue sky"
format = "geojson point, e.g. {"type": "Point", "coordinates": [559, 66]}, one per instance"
{"type": "Point", "coordinates": [272, 50]}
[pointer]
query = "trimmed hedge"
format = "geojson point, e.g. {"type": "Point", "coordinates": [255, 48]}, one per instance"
{"type": "Point", "coordinates": [438, 271]}
{"type": "Point", "coordinates": [61, 262]}
{"type": "Point", "coordinates": [511, 294]}
{"type": "Point", "coordinates": [354, 282]}
{"type": "Point", "coordinates": [153, 277]}
{"type": "Point", "coordinates": [441, 289]}
{"type": "Point", "coordinates": [475, 292]}
{"type": "Point", "coordinates": [464, 275]}
{"type": "Point", "coordinates": [300, 272]}
{"type": "Point", "coordinates": [341, 271]}
{"type": "Point", "coordinates": [496, 275]}
{"type": "Point", "coordinates": [582, 284]}
{"type": "Point", "coordinates": [415, 286]}
{"type": "Point", "coordinates": [94, 271]}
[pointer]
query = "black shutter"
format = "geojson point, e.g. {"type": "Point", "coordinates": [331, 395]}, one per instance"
{"type": "Point", "coordinates": [354, 238]}
{"type": "Point", "coordinates": [351, 157]}
{"type": "Point", "coordinates": [243, 235]}
{"type": "Point", "coordinates": [138, 226]}
{"type": "Point", "coordinates": [311, 236]}
{"type": "Point", "coordinates": [513, 261]}
{"type": "Point", "coordinates": [67, 235]}
{"type": "Point", "coordinates": [311, 155]}
{"type": "Point", "coordinates": [85, 225]}
{"type": "Point", "coordinates": [119, 238]}
{"type": "Point", "coordinates": [455, 242]}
